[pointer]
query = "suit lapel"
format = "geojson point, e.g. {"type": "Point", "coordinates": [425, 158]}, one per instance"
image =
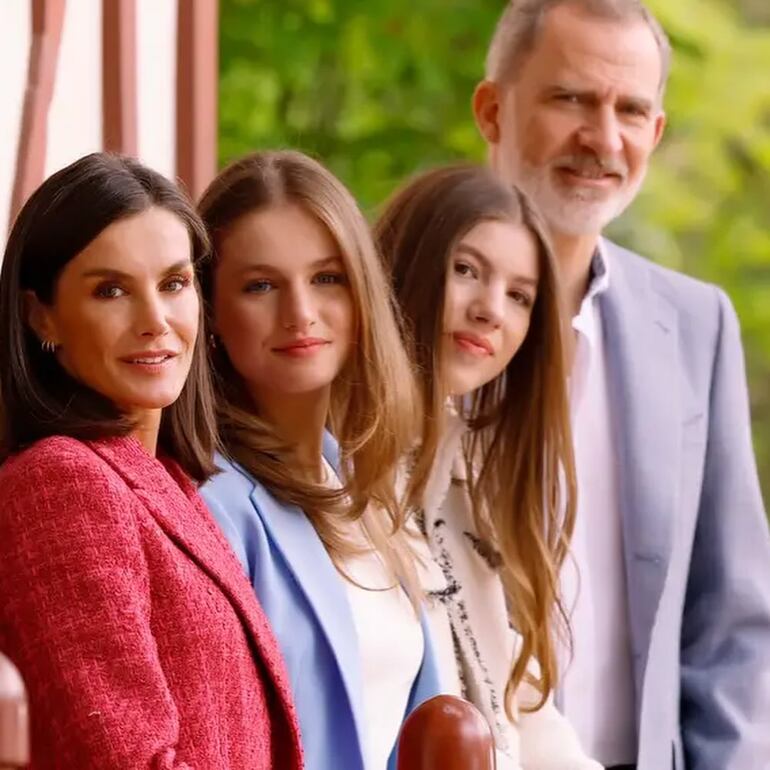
{"type": "Point", "coordinates": [308, 561]}
{"type": "Point", "coordinates": [641, 335]}
{"type": "Point", "coordinates": [173, 501]}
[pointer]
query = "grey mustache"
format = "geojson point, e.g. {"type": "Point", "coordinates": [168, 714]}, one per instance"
{"type": "Point", "coordinates": [593, 163]}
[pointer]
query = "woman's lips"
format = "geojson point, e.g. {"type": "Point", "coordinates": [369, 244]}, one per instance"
{"type": "Point", "coordinates": [308, 346]}
{"type": "Point", "coordinates": [473, 344]}
{"type": "Point", "coordinates": [149, 362]}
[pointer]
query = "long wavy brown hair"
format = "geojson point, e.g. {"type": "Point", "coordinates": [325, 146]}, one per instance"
{"type": "Point", "coordinates": [518, 449]}
{"type": "Point", "coordinates": [374, 400]}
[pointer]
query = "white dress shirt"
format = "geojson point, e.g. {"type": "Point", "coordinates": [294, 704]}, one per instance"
{"type": "Point", "coordinates": [597, 691]}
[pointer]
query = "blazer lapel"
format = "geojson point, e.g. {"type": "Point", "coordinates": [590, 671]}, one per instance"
{"type": "Point", "coordinates": [641, 335]}
{"type": "Point", "coordinates": [173, 501]}
{"type": "Point", "coordinates": [307, 559]}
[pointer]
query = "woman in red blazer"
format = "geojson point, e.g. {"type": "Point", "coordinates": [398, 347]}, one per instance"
{"type": "Point", "coordinates": [137, 633]}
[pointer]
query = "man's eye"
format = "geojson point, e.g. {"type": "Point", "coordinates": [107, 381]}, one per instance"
{"type": "Point", "coordinates": [634, 112]}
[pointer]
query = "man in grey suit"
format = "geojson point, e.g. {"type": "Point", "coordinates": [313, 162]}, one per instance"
{"type": "Point", "coordinates": [670, 605]}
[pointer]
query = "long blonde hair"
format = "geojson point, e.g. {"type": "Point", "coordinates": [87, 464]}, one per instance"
{"type": "Point", "coordinates": [521, 472]}
{"type": "Point", "coordinates": [374, 401]}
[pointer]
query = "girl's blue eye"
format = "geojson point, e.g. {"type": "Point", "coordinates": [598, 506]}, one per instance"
{"type": "Point", "coordinates": [258, 287]}
{"type": "Point", "coordinates": [330, 278]}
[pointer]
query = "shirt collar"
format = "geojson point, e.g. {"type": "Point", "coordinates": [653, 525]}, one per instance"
{"type": "Point", "coordinates": [600, 272]}
{"type": "Point", "coordinates": [598, 283]}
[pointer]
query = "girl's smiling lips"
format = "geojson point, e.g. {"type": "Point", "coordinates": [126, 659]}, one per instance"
{"type": "Point", "coordinates": [473, 343]}
{"type": "Point", "coordinates": [307, 346]}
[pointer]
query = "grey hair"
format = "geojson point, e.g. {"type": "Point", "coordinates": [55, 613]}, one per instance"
{"type": "Point", "coordinates": [517, 31]}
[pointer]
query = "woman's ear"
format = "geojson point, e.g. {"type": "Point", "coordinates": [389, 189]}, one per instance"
{"type": "Point", "coordinates": [38, 316]}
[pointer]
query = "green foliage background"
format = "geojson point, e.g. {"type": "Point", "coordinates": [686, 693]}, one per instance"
{"type": "Point", "coordinates": [381, 88]}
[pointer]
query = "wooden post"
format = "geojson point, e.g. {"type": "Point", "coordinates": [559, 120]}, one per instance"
{"type": "Point", "coordinates": [119, 106]}
{"type": "Point", "coordinates": [196, 89]}
{"type": "Point", "coordinates": [14, 721]}
{"type": "Point", "coordinates": [47, 23]}
{"type": "Point", "coordinates": [446, 733]}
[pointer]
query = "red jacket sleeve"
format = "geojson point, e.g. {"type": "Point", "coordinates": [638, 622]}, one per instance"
{"type": "Point", "coordinates": [75, 615]}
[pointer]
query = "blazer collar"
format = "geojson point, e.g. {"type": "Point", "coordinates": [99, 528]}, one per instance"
{"type": "Point", "coordinates": [642, 338]}
{"type": "Point", "coordinates": [172, 499]}
{"type": "Point", "coordinates": [307, 559]}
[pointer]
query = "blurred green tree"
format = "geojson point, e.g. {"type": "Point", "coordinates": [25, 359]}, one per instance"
{"type": "Point", "coordinates": [380, 89]}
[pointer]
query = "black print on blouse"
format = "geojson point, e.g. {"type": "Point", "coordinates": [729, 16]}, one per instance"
{"type": "Point", "coordinates": [484, 549]}
{"type": "Point", "coordinates": [419, 520]}
{"type": "Point", "coordinates": [444, 561]}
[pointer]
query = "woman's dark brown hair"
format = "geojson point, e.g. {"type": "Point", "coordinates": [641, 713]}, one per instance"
{"type": "Point", "coordinates": [518, 451]}
{"type": "Point", "coordinates": [38, 398]}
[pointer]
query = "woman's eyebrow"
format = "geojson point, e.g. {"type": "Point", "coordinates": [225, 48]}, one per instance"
{"type": "Point", "coordinates": [109, 272]}
{"type": "Point", "coordinates": [472, 251]}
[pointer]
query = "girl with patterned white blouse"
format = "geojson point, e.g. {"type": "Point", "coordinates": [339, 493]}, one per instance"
{"type": "Point", "coordinates": [493, 482]}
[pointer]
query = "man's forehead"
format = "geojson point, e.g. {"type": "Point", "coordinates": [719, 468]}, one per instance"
{"type": "Point", "coordinates": [587, 52]}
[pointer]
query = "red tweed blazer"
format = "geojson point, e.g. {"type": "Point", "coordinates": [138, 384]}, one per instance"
{"type": "Point", "coordinates": [138, 635]}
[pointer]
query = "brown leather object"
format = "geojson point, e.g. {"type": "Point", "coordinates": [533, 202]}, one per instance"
{"type": "Point", "coordinates": [14, 721]}
{"type": "Point", "coordinates": [446, 733]}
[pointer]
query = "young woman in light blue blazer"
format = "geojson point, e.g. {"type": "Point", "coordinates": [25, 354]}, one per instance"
{"type": "Point", "coordinates": [316, 406]}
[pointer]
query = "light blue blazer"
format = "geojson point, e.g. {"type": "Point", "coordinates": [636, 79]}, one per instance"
{"type": "Point", "coordinates": [697, 548]}
{"type": "Point", "coordinates": [305, 600]}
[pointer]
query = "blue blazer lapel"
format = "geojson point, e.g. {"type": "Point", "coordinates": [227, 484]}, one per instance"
{"type": "Point", "coordinates": [428, 681]}
{"type": "Point", "coordinates": [426, 685]}
{"type": "Point", "coordinates": [331, 450]}
{"type": "Point", "coordinates": [641, 334]}
{"type": "Point", "coordinates": [296, 539]}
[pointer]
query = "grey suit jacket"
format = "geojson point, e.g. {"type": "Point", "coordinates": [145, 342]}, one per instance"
{"type": "Point", "coordinates": [697, 548]}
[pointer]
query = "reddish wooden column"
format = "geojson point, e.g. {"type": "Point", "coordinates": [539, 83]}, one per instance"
{"type": "Point", "coordinates": [14, 722]}
{"type": "Point", "coordinates": [119, 105]}
{"type": "Point", "coordinates": [47, 23]}
{"type": "Point", "coordinates": [446, 733]}
{"type": "Point", "coordinates": [196, 105]}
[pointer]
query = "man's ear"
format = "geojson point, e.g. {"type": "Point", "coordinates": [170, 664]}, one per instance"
{"type": "Point", "coordinates": [660, 125]}
{"type": "Point", "coordinates": [38, 316]}
{"type": "Point", "coordinates": [486, 110]}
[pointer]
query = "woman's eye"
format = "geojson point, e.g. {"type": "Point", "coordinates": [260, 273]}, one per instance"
{"type": "Point", "coordinates": [520, 297]}
{"type": "Point", "coordinates": [333, 279]}
{"type": "Point", "coordinates": [258, 287]}
{"type": "Point", "coordinates": [177, 283]}
{"type": "Point", "coordinates": [464, 269]}
{"type": "Point", "coordinates": [108, 291]}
